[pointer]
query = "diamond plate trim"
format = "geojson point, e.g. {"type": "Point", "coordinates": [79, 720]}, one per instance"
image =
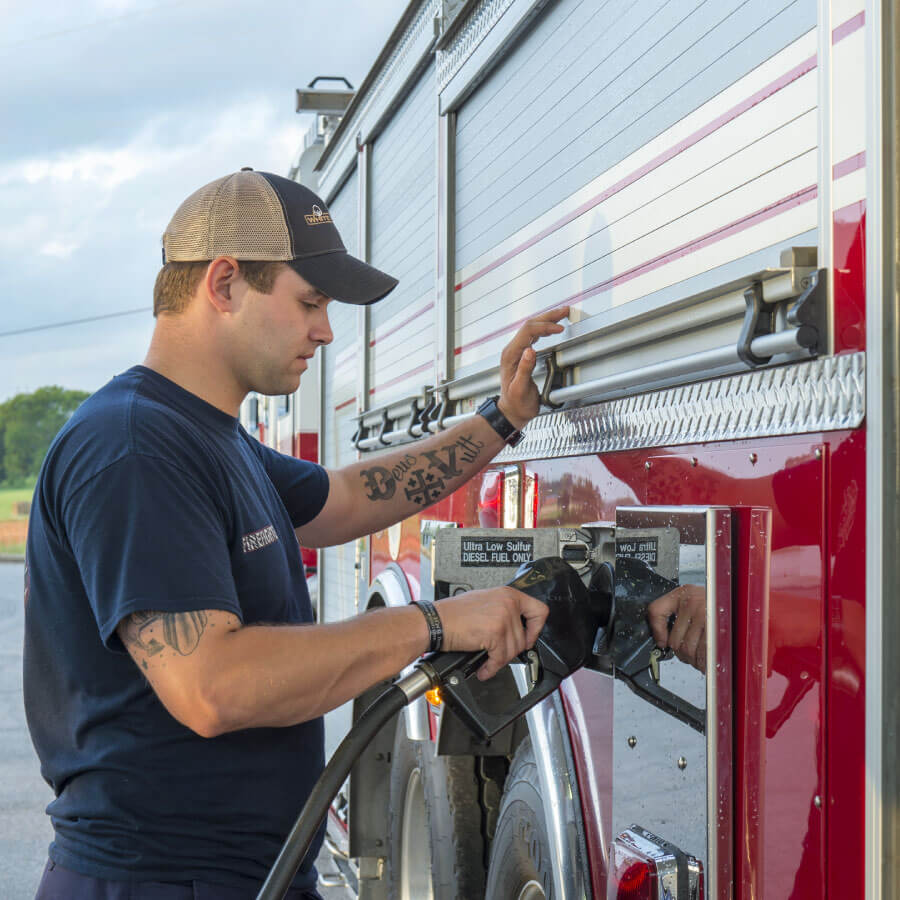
{"type": "Point", "coordinates": [478, 23]}
{"type": "Point", "coordinates": [824, 395]}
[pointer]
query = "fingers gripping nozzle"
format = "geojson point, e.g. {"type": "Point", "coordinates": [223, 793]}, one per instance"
{"type": "Point", "coordinates": [564, 645]}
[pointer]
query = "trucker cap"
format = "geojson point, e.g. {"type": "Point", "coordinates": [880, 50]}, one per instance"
{"type": "Point", "coordinates": [258, 216]}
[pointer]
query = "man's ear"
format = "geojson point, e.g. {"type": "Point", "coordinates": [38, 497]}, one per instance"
{"type": "Point", "coordinates": [221, 275]}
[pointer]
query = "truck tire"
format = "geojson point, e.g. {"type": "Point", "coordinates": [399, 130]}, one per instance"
{"type": "Point", "coordinates": [437, 848]}
{"type": "Point", "coordinates": [520, 867]}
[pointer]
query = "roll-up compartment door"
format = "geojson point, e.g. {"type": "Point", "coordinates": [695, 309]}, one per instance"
{"type": "Point", "coordinates": [403, 243]}
{"type": "Point", "coordinates": [634, 154]}
{"type": "Point", "coordinates": [344, 209]}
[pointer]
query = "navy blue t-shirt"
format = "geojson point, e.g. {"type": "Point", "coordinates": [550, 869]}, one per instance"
{"type": "Point", "coordinates": [152, 499]}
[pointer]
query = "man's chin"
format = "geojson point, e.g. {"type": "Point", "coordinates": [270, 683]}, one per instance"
{"type": "Point", "coordinates": [285, 385]}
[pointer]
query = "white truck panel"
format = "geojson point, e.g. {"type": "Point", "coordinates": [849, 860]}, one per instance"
{"type": "Point", "coordinates": [403, 243]}
{"type": "Point", "coordinates": [638, 74]}
{"type": "Point", "coordinates": [732, 185]}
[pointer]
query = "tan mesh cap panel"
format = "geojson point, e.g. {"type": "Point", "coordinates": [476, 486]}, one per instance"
{"type": "Point", "coordinates": [239, 215]}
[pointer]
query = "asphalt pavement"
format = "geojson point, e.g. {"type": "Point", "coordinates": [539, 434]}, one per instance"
{"type": "Point", "coordinates": [25, 830]}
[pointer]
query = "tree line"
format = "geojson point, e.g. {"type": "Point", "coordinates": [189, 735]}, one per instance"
{"type": "Point", "coordinates": [28, 424]}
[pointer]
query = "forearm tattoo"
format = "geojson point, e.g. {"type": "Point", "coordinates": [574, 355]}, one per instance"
{"type": "Point", "coordinates": [423, 478]}
{"type": "Point", "coordinates": [152, 632]}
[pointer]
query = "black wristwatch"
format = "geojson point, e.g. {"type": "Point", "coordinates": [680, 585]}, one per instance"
{"type": "Point", "coordinates": [490, 411]}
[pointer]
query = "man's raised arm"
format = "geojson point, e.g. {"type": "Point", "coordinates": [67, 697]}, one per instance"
{"type": "Point", "coordinates": [371, 495]}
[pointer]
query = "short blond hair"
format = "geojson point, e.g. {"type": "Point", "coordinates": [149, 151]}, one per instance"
{"type": "Point", "coordinates": [177, 282]}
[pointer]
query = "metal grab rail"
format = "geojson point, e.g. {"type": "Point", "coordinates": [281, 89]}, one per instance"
{"type": "Point", "coordinates": [763, 304]}
{"type": "Point", "coordinates": [788, 341]}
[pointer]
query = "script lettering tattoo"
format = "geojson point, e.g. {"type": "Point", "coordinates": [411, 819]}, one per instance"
{"type": "Point", "coordinates": [181, 631]}
{"type": "Point", "coordinates": [403, 467]}
{"type": "Point", "coordinates": [424, 489]}
{"type": "Point", "coordinates": [470, 447]}
{"type": "Point", "coordinates": [380, 484]}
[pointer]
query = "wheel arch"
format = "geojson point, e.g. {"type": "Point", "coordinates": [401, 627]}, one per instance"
{"type": "Point", "coordinates": [561, 796]}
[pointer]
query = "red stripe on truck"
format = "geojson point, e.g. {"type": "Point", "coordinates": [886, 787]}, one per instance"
{"type": "Point", "coordinates": [761, 215]}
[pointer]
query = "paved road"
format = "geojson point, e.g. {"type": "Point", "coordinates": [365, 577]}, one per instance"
{"type": "Point", "coordinates": [25, 830]}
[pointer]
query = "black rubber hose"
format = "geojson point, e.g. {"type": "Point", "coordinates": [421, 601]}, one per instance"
{"type": "Point", "coordinates": [333, 776]}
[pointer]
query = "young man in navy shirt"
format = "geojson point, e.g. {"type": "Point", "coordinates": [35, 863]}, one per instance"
{"type": "Point", "coordinates": [174, 680]}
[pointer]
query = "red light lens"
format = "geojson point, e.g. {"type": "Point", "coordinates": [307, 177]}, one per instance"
{"type": "Point", "coordinates": [634, 883]}
{"type": "Point", "coordinates": [490, 499]}
{"type": "Point", "coordinates": [630, 877]}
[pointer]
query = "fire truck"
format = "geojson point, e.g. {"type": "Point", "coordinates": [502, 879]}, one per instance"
{"type": "Point", "coordinates": [712, 187]}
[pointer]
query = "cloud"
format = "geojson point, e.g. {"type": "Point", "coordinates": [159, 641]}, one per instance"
{"type": "Point", "coordinates": [59, 249]}
{"type": "Point", "coordinates": [118, 118]}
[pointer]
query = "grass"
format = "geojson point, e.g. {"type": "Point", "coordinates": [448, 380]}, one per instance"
{"type": "Point", "coordinates": [12, 524]}
{"type": "Point", "coordinates": [9, 497]}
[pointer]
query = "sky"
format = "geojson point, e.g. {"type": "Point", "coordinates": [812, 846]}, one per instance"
{"type": "Point", "coordinates": [111, 113]}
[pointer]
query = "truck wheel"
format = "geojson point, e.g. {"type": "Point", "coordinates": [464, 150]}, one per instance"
{"type": "Point", "coordinates": [437, 849]}
{"type": "Point", "coordinates": [520, 866]}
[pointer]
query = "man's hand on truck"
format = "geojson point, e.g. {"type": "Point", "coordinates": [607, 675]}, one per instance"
{"type": "Point", "coordinates": [520, 400]}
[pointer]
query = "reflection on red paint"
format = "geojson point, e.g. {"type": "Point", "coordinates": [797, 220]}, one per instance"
{"type": "Point", "coordinates": [850, 278]}
{"type": "Point", "coordinates": [490, 499]}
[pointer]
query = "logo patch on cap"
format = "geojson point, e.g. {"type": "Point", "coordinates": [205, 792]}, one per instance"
{"type": "Point", "coordinates": [318, 217]}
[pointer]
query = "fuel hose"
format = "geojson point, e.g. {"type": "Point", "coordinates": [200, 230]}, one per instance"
{"type": "Point", "coordinates": [565, 642]}
{"type": "Point", "coordinates": [333, 776]}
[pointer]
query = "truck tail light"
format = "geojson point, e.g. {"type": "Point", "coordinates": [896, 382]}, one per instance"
{"type": "Point", "coordinates": [643, 866]}
{"type": "Point", "coordinates": [490, 500]}
{"type": "Point", "coordinates": [631, 877]}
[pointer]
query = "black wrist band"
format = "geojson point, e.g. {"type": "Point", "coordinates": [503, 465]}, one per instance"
{"type": "Point", "coordinates": [435, 629]}
{"type": "Point", "coordinates": [495, 418]}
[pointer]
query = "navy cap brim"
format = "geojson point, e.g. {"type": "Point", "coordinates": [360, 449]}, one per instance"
{"type": "Point", "coordinates": [345, 278]}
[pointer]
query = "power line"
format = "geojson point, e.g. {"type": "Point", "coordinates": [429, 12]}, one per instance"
{"type": "Point", "coordinates": [115, 315]}
{"type": "Point", "coordinates": [89, 25]}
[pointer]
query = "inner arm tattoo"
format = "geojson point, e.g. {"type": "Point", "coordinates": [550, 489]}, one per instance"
{"type": "Point", "coordinates": [180, 630]}
{"type": "Point", "coordinates": [423, 478]}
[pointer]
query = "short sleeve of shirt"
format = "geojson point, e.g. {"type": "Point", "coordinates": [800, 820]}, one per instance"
{"type": "Point", "coordinates": [148, 536]}
{"type": "Point", "coordinates": [302, 485]}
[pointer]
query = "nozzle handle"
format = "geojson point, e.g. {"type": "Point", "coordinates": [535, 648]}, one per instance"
{"type": "Point", "coordinates": [460, 697]}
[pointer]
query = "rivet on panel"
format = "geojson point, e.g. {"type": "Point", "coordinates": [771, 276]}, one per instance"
{"type": "Point", "coordinates": [753, 458]}
{"type": "Point", "coordinates": [647, 464]}
{"type": "Point", "coordinates": [817, 801]}
{"type": "Point", "coordinates": [682, 763]}
{"type": "Point", "coordinates": [632, 742]}
{"type": "Point", "coordinates": [818, 452]}
{"type": "Point", "coordinates": [694, 461]}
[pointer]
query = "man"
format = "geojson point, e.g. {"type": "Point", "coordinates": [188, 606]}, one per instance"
{"type": "Point", "coordinates": [174, 683]}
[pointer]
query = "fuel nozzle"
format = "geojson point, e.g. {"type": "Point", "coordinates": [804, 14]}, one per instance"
{"type": "Point", "coordinates": [565, 643]}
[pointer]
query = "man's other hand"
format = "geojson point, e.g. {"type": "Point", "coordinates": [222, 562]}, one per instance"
{"type": "Point", "coordinates": [519, 398]}
{"type": "Point", "coordinates": [501, 620]}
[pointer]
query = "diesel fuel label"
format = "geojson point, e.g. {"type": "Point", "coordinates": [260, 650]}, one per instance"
{"type": "Point", "coordinates": [646, 549]}
{"type": "Point", "coordinates": [496, 552]}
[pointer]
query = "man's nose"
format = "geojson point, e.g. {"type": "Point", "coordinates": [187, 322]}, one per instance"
{"type": "Point", "coordinates": [323, 333]}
